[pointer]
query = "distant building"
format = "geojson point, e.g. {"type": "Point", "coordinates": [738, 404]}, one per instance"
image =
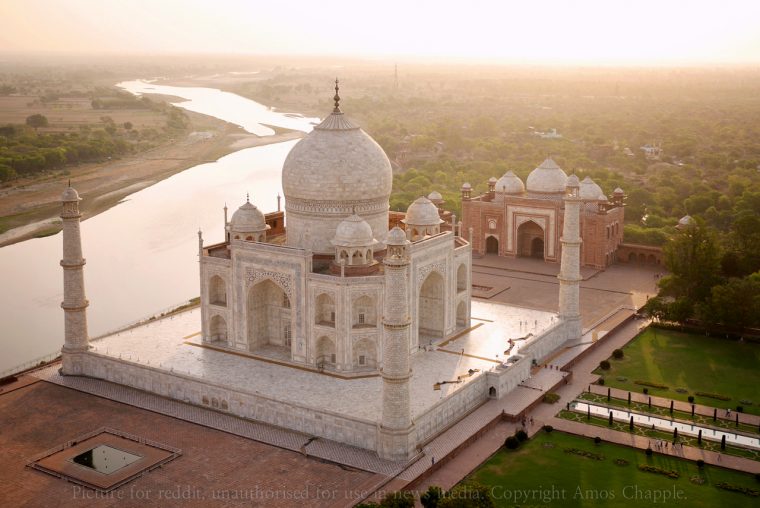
{"type": "Point", "coordinates": [550, 134]}
{"type": "Point", "coordinates": [684, 222]}
{"type": "Point", "coordinates": [652, 151]}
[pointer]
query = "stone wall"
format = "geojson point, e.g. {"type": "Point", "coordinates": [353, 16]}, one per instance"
{"type": "Point", "coordinates": [326, 424]}
{"type": "Point", "coordinates": [504, 380]}
{"type": "Point", "coordinates": [548, 342]}
{"type": "Point", "coordinates": [450, 409]}
{"type": "Point", "coordinates": [640, 254]}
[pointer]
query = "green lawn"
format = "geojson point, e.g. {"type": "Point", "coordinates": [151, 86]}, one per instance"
{"type": "Point", "coordinates": [694, 363]}
{"type": "Point", "coordinates": [547, 475]}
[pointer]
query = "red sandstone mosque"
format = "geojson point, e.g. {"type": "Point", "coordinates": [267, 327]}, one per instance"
{"type": "Point", "coordinates": [517, 220]}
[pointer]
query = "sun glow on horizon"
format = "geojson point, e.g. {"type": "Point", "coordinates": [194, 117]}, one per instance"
{"type": "Point", "coordinates": [596, 32]}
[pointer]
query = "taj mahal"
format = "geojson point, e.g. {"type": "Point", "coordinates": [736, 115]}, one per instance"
{"type": "Point", "coordinates": [333, 317]}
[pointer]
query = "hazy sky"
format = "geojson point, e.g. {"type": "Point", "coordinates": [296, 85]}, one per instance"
{"type": "Point", "coordinates": [524, 31]}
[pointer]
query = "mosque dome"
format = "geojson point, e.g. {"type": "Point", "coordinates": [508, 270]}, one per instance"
{"type": "Point", "coordinates": [466, 186]}
{"type": "Point", "coordinates": [396, 236]}
{"type": "Point", "coordinates": [70, 194]}
{"type": "Point", "coordinates": [572, 181]}
{"type": "Point", "coordinates": [618, 191]}
{"type": "Point", "coordinates": [353, 232]}
{"type": "Point", "coordinates": [247, 219]}
{"type": "Point", "coordinates": [602, 198]}
{"type": "Point", "coordinates": [510, 183]}
{"type": "Point", "coordinates": [547, 178]}
{"type": "Point", "coordinates": [589, 189]}
{"type": "Point", "coordinates": [435, 197]}
{"type": "Point", "coordinates": [422, 213]}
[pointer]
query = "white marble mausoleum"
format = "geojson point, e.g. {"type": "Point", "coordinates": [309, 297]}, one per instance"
{"type": "Point", "coordinates": [333, 297]}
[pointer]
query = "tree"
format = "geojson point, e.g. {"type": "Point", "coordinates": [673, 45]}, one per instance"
{"type": "Point", "coordinates": [431, 497]}
{"type": "Point", "coordinates": [735, 303]}
{"type": "Point", "coordinates": [36, 121]}
{"type": "Point", "coordinates": [693, 258]}
{"type": "Point", "coordinates": [511, 443]}
{"type": "Point", "coordinates": [7, 173]}
{"type": "Point", "coordinates": [128, 126]}
{"type": "Point", "coordinates": [745, 236]}
{"type": "Point", "coordinates": [400, 499]}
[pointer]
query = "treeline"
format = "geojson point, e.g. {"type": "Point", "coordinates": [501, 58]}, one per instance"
{"type": "Point", "coordinates": [25, 152]}
{"type": "Point", "coordinates": [123, 101]}
{"type": "Point", "coordinates": [714, 278]}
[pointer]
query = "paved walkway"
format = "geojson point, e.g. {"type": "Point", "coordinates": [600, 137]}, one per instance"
{"type": "Point", "coordinates": [678, 405]}
{"type": "Point", "coordinates": [526, 265]}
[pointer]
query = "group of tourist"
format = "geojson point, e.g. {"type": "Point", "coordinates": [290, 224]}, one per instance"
{"type": "Point", "coordinates": [663, 445]}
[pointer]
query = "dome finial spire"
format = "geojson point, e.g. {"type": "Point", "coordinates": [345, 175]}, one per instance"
{"type": "Point", "coordinates": [247, 197]}
{"type": "Point", "coordinates": [336, 98]}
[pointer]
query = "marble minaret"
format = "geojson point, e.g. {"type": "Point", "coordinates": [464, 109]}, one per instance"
{"type": "Point", "coordinates": [74, 301]}
{"type": "Point", "coordinates": [396, 434]}
{"type": "Point", "coordinates": [570, 269]}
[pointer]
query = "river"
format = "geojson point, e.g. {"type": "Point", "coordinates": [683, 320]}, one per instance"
{"type": "Point", "coordinates": [142, 253]}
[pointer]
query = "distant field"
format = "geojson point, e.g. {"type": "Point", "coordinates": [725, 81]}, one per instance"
{"type": "Point", "coordinates": [694, 363]}
{"type": "Point", "coordinates": [544, 473]}
{"type": "Point", "coordinates": [68, 114]}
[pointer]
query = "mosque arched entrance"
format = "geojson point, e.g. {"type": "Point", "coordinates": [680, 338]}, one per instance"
{"type": "Point", "coordinates": [530, 240]}
{"type": "Point", "coordinates": [268, 316]}
{"type": "Point", "coordinates": [492, 245]}
{"type": "Point", "coordinates": [537, 248]}
{"type": "Point", "coordinates": [431, 309]}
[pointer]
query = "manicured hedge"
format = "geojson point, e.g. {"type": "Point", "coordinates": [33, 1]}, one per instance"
{"type": "Point", "coordinates": [651, 384]}
{"type": "Point", "coordinates": [658, 470]}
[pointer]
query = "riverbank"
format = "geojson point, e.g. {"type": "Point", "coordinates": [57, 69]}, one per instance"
{"type": "Point", "coordinates": [30, 208]}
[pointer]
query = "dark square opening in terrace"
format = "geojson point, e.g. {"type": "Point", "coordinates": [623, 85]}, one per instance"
{"type": "Point", "coordinates": [103, 459]}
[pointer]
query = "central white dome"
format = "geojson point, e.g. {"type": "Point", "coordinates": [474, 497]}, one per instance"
{"type": "Point", "coordinates": [547, 178]}
{"type": "Point", "coordinates": [335, 171]}
{"type": "Point", "coordinates": [337, 161]}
